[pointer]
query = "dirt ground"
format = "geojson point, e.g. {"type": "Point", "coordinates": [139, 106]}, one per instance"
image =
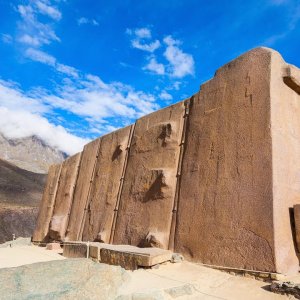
{"type": "Point", "coordinates": [170, 281]}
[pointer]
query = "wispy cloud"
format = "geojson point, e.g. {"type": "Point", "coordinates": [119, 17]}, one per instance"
{"type": "Point", "coordinates": [293, 18]}
{"type": "Point", "coordinates": [142, 39]}
{"type": "Point", "coordinates": [45, 58]}
{"type": "Point", "coordinates": [32, 30]}
{"type": "Point", "coordinates": [155, 67]}
{"type": "Point", "coordinates": [40, 56]}
{"type": "Point", "coordinates": [46, 9]}
{"type": "Point", "coordinates": [181, 64]}
{"type": "Point", "coordinates": [165, 96]}
{"type": "Point", "coordinates": [6, 38]}
{"type": "Point", "coordinates": [83, 20]}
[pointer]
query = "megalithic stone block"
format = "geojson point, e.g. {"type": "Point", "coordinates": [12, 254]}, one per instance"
{"type": "Point", "coordinates": [83, 185]}
{"type": "Point", "coordinates": [240, 166]}
{"type": "Point", "coordinates": [40, 233]}
{"type": "Point", "coordinates": [285, 126]}
{"type": "Point", "coordinates": [64, 197]}
{"type": "Point", "coordinates": [225, 207]}
{"type": "Point", "coordinates": [105, 186]}
{"type": "Point", "coordinates": [145, 211]}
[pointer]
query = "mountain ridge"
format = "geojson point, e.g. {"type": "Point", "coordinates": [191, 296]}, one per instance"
{"type": "Point", "coordinates": [30, 153]}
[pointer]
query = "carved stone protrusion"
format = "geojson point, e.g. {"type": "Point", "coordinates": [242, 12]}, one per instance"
{"type": "Point", "coordinates": [117, 152]}
{"type": "Point", "coordinates": [165, 135]}
{"type": "Point", "coordinates": [153, 240]}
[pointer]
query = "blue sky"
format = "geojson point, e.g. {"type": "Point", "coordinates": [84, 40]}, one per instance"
{"type": "Point", "coordinates": [73, 70]}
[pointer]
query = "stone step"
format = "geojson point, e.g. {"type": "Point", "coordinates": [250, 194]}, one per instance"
{"type": "Point", "coordinates": [126, 256]}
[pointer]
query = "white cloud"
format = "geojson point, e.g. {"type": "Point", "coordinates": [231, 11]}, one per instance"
{"type": "Point", "coordinates": [165, 96]}
{"type": "Point", "coordinates": [31, 29]}
{"type": "Point", "coordinates": [151, 47]}
{"type": "Point", "coordinates": [21, 115]}
{"type": "Point", "coordinates": [176, 85]}
{"type": "Point", "coordinates": [141, 37]}
{"type": "Point", "coordinates": [155, 67]}
{"type": "Point", "coordinates": [18, 124]}
{"type": "Point", "coordinates": [48, 10]}
{"type": "Point", "coordinates": [45, 58]}
{"type": "Point", "coordinates": [91, 98]}
{"type": "Point", "coordinates": [40, 56]}
{"type": "Point", "coordinates": [143, 33]}
{"type": "Point", "coordinates": [12, 97]}
{"type": "Point", "coordinates": [100, 106]}
{"type": "Point", "coordinates": [6, 38]}
{"type": "Point", "coordinates": [87, 97]}
{"type": "Point", "coordinates": [67, 70]}
{"type": "Point", "coordinates": [83, 20]}
{"type": "Point", "coordinates": [31, 41]}
{"type": "Point", "coordinates": [181, 64]}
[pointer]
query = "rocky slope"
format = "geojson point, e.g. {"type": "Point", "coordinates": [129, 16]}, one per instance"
{"type": "Point", "coordinates": [20, 194]}
{"type": "Point", "coordinates": [29, 153]}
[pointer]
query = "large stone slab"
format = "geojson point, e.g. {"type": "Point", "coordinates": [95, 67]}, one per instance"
{"type": "Point", "coordinates": [147, 199]}
{"type": "Point", "coordinates": [105, 186]}
{"type": "Point", "coordinates": [225, 212]}
{"type": "Point", "coordinates": [285, 125]}
{"type": "Point", "coordinates": [82, 190]}
{"type": "Point", "coordinates": [128, 257]}
{"type": "Point", "coordinates": [75, 249]}
{"type": "Point", "coordinates": [40, 233]}
{"type": "Point", "coordinates": [64, 197]}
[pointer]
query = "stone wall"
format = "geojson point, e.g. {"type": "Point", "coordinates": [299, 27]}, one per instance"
{"type": "Point", "coordinates": [214, 177]}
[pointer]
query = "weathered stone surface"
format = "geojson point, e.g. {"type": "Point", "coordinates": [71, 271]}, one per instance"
{"type": "Point", "coordinates": [105, 187]}
{"type": "Point", "coordinates": [297, 225]}
{"type": "Point", "coordinates": [40, 233]}
{"type": "Point", "coordinates": [289, 288]}
{"type": "Point", "coordinates": [225, 206]}
{"type": "Point", "coordinates": [81, 193]}
{"type": "Point", "coordinates": [126, 256]}
{"type": "Point", "coordinates": [75, 249]}
{"type": "Point", "coordinates": [147, 199]}
{"type": "Point", "coordinates": [129, 257]}
{"type": "Point", "coordinates": [64, 197]}
{"type": "Point", "coordinates": [63, 279]}
{"type": "Point", "coordinates": [285, 125]}
{"type": "Point", "coordinates": [53, 246]}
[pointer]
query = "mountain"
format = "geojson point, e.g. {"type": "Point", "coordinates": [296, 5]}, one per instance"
{"type": "Point", "coordinates": [20, 194]}
{"type": "Point", "coordinates": [19, 187]}
{"type": "Point", "coordinates": [29, 153]}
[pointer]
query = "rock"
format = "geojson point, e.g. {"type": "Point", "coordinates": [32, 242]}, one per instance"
{"type": "Point", "coordinates": [286, 287]}
{"type": "Point", "coordinates": [64, 279]}
{"type": "Point", "coordinates": [177, 258]}
{"type": "Point", "coordinates": [53, 246]}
